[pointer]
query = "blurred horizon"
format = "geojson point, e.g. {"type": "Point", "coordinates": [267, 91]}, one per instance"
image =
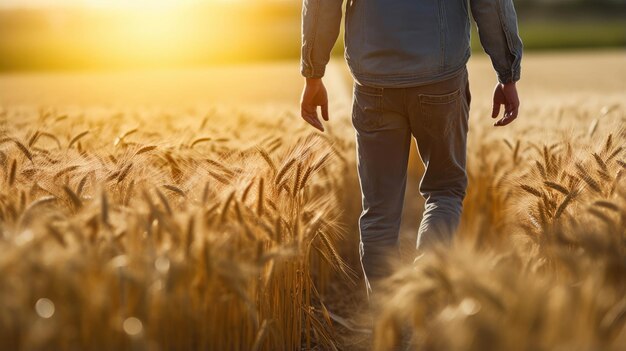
{"type": "Point", "coordinates": [118, 3]}
{"type": "Point", "coordinates": [158, 3]}
{"type": "Point", "coordinates": [47, 35]}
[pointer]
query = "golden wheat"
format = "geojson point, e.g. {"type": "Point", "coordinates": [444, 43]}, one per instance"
{"type": "Point", "coordinates": [537, 284]}
{"type": "Point", "coordinates": [218, 293]}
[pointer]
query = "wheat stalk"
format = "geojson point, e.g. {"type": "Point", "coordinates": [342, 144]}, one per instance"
{"type": "Point", "coordinates": [77, 138]}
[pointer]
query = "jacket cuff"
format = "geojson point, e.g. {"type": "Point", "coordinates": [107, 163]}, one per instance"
{"type": "Point", "coordinates": [312, 71]}
{"type": "Point", "coordinates": [509, 76]}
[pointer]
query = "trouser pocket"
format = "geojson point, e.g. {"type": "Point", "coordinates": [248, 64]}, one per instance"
{"type": "Point", "coordinates": [367, 108]}
{"type": "Point", "coordinates": [440, 112]}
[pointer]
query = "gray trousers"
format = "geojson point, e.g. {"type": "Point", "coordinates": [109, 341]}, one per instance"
{"type": "Point", "coordinates": [385, 120]}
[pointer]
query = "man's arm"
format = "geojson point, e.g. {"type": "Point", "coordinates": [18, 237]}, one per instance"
{"type": "Point", "coordinates": [499, 36]}
{"type": "Point", "coordinates": [497, 28]}
{"type": "Point", "coordinates": [321, 20]}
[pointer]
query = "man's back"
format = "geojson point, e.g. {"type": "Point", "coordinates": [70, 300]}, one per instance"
{"type": "Point", "coordinates": [404, 43]}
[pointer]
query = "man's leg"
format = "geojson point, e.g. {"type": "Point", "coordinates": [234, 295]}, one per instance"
{"type": "Point", "coordinates": [439, 121]}
{"type": "Point", "coordinates": [383, 141]}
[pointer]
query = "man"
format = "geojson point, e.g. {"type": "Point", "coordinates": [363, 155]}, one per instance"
{"type": "Point", "coordinates": [408, 60]}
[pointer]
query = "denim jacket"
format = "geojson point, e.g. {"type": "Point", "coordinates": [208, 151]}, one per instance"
{"type": "Point", "coordinates": [402, 43]}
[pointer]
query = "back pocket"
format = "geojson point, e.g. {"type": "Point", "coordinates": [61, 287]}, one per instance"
{"type": "Point", "coordinates": [440, 113]}
{"type": "Point", "coordinates": [367, 108]}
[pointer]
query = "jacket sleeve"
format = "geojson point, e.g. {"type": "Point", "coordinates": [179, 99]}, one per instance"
{"type": "Point", "coordinates": [321, 20]}
{"type": "Point", "coordinates": [497, 29]}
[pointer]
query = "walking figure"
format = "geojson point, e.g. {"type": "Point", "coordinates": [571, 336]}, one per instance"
{"type": "Point", "coordinates": [408, 60]}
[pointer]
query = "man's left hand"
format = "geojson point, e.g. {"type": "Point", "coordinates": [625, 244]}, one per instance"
{"type": "Point", "coordinates": [505, 94]}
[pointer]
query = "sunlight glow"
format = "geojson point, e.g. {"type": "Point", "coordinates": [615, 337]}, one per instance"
{"type": "Point", "coordinates": [120, 4]}
{"type": "Point", "coordinates": [147, 34]}
{"type": "Point", "coordinates": [141, 4]}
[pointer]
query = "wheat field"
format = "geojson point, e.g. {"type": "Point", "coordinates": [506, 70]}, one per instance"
{"type": "Point", "coordinates": [540, 262]}
{"type": "Point", "coordinates": [150, 223]}
{"type": "Point", "coordinates": [179, 235]}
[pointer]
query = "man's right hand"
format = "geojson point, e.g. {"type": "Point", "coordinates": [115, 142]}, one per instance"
{"type": "Point", "coordinates": [505, 94]}
{"type": "Point", "coordinates": [314, 95]}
